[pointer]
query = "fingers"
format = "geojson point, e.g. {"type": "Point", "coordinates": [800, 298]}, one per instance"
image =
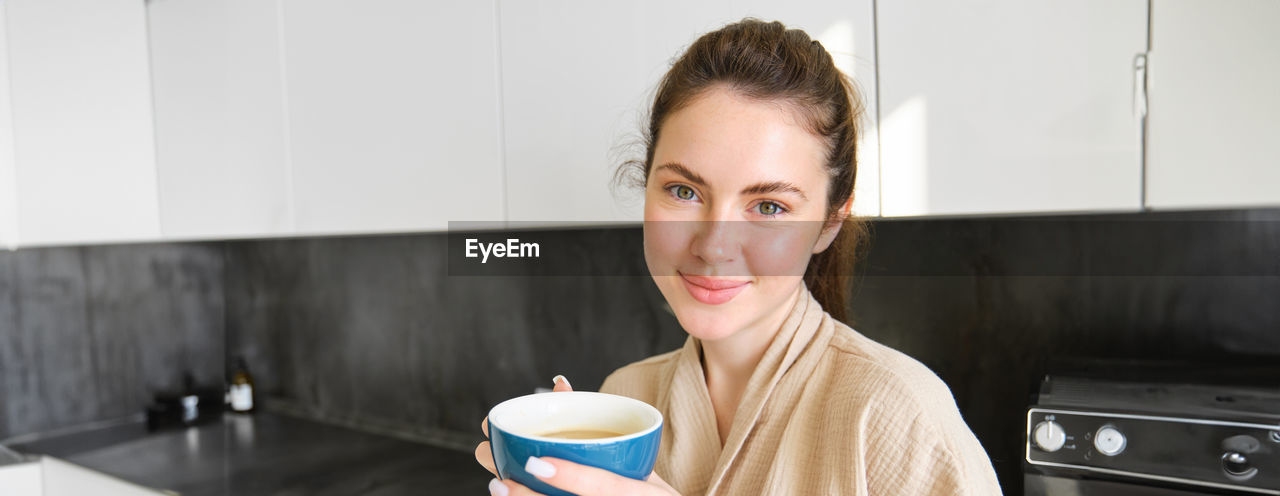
{"type": "Point", "coordinates": [561, 384]}
{"type": "Point", "coordinates": [499, 487]}
{"type": "Point", "coordinates": [485, 456]}
{"type": "Point", "coordinates": [583, 479]}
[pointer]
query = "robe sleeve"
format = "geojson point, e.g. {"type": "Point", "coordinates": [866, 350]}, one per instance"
{"type": "Point", "coordinates": [923, 453]}
{"type": "Point", "coordinates": [612, 385]}
{"type": "Point", "coordinates": [640, 380]}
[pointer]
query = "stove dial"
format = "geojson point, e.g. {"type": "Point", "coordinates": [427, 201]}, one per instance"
{"type": "Point", "coordinates": [1109, 441]}
{"type": "Point", "coordinates": [1049, 436]}
{"type": "Point", "coordinates": [1237, 466]}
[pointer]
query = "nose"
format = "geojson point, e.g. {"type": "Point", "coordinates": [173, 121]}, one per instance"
{"type": "Point", "coordinates": [715, 242]}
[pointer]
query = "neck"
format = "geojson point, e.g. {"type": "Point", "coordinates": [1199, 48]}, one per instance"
{"type": "Point", "coordinates": [731, 360]}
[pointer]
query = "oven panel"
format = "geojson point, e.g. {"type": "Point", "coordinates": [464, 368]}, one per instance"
{"type": "Point", "coordinates": [1210, 454]}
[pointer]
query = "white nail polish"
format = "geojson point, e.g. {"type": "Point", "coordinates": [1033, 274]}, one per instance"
{"type": "Point", "coordinates": [539, 468]}
{"type": "Point", "coordinates": [497, 488]}
{"type": "Point", "coordinates": [560, 378]}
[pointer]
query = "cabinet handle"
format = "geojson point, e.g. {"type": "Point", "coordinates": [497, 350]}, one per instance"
{"type": "Point", "coordinates": [1140, 117]}
{"type": "Point", "coordinates": [1140, 85]}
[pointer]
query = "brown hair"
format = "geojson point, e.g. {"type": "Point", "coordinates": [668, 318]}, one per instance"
{"type": "Point", "coordinates": [768, 62]}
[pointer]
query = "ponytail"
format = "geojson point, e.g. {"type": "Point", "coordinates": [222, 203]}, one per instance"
{"type": "Point", "coordinates": [830, 272]}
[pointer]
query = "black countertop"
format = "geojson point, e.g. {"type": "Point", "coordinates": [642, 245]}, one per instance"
{"type": "Point", "coordinates": [267, 454]}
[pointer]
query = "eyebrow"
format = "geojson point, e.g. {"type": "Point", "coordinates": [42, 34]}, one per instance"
{"type": "Point", "coordinates": [754, 189]}
{"type": "Point", "coordinates": [773, 187]}
{"type": "Point", "coordinates": [692, 176]}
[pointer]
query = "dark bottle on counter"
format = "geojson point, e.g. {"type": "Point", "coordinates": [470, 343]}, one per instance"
{"type": "Point", "coordinates": [241, 393]}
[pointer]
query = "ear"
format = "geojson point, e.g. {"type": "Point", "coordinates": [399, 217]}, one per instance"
{"type": "Point", "coordinates": [833, 226]}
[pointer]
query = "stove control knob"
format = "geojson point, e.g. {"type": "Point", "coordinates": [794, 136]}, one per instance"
{"type": "Point", "coordinates": [1109, 441]}
{"type": "Point", "coordinates": [1237, 465]}
{"type": "Point", "coordinates": [1050, 436]}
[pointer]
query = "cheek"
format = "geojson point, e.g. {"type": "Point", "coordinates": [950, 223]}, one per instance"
{"type": "Point", "coordinates": [666, 237]}
{"type": "Point", "coordinates": [784, 252]}
{"type": "Point", "coordinates": [665, 243]}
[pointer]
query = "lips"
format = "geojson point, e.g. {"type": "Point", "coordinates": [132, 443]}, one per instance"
{"type": "Point", "coordinates": [712, 291]}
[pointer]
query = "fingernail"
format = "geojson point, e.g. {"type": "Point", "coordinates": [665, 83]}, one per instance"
{"type": "Point", "coordinates": [497, 488]}
{"type": "Point", "coordinates": [559, 378]}
{"type": "Point", "coordinates": [539, 468]}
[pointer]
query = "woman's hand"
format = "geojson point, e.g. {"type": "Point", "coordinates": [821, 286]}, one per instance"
{"type": "Point", "coordinates": [576, 478]}
{"type": "Point", "coordinates": [582, 480]}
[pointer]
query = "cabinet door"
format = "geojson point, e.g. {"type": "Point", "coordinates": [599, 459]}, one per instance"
{"type": "Point", "coordinates": [22, 479]}
{"type": "Point", "coordinates": [8, 170]}
{"type": "Point", "coordinates": [217, 77]}
{"type": "Point", "coordinates": [1214, 104]}
{"type": "Point", "coordinates": [579, 77]}
{"type": "Point", "coordinates": [1007, 106]}
{"type": "Point", "coordinates": [83, 141]}
{"type": "Point", "coordinates": [577, 80]}
{"type": "Point", "coordinates": [392, 114]}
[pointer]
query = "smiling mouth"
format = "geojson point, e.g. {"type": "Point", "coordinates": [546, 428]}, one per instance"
{"type": "Point", "coordinates": [710, 290]}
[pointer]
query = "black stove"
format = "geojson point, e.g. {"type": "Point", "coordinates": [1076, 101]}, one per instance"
{"type": "Point", "coordinates": [1155, 429]}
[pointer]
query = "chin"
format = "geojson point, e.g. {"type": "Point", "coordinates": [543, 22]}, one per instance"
{"type": "Point", "coordinates": [707, 324]}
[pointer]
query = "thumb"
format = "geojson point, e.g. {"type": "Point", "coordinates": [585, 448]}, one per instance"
{"type": "Point", "coordinates": [561, 384]}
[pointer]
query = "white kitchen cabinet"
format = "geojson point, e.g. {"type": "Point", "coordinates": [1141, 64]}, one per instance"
{"type": "Point", "coordinates": [22, 479]}
{"type": "Point", "coordinates": [577, 80]}
{"type": "Point", "coordinates": [221, 143]}
{"type": "Point", "coordinates": [8, 169]}
{"type": "Point", "coordinates": [579, 77]}
{"type": "Point", "coordinates": [393, 114]}
{"type": "Point", "coordinates": [83, 147]}
{"type": "Point", "coordinates": [48, 476]}
{"type": "Point", "coordinates": [1006, 106]}
{"type": "Point", "coordinates": [1214, 104]}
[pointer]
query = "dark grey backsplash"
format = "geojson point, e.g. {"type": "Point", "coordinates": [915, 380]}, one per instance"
{"type": "Point", "coordinates": [989, 304]}
{"type": "Point", "coordinates": [90, 333]}
{"type": "Point", "coordinates": [373, 330]}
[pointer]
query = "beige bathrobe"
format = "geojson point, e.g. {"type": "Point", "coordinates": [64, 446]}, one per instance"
{"type": "Point", "coordinates": [827, 411]}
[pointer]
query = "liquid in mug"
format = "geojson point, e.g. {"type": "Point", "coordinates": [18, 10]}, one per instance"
{"type": "Point", "coordinates": [582, 434]}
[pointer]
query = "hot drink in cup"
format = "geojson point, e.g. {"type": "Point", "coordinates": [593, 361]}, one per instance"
{"type": "Point", "coordinates": [611, 432]}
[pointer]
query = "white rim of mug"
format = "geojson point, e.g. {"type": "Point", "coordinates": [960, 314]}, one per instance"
{"type": "Point", "coordinates": [560, 440]}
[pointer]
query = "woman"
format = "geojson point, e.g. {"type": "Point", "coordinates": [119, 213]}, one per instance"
{"type": "Point", "coordinates": [748, 177]}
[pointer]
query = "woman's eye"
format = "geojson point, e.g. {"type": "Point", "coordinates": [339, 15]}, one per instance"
{"type": "Point", "coordinates": [769, 208]}
{"type": "Point", "coordinates": [683, 192]}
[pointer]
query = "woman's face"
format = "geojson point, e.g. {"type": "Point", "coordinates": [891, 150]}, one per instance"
{"type": "Point", "coordinates": [734, 208]}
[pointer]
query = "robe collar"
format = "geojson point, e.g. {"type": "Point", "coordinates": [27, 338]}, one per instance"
{"type": "Point", "coordinates": [691, 401]}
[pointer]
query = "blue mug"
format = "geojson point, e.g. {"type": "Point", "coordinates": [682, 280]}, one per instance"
{"type": "Point", "coordinates": [536, 425]}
